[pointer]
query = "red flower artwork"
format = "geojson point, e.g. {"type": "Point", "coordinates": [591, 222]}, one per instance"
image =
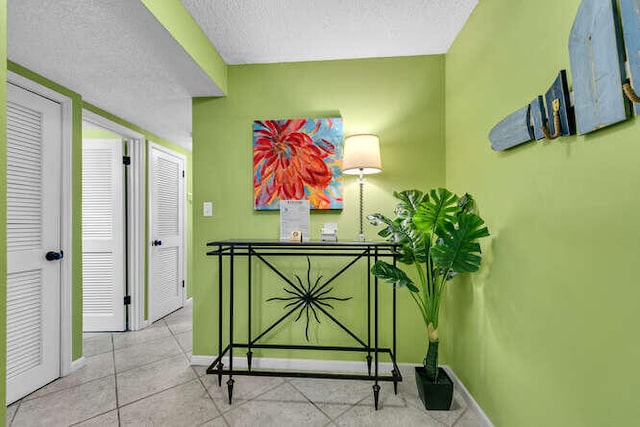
{"type": "Point", "coordinates": [289, 164]}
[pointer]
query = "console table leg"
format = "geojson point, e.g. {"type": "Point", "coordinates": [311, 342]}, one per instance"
{"type": "Point", "coordinates": [376, 395]}
{"type": "Point", "coordinates": [395, 381]}
{"type": "Point", "coordinates": [220, 368]}
{"type": "Point", "coordinates": [369, 364]}
{"type": "Point", "coordinates": [230, 389]}
{"type": "Point", "coordinates": [249, 359]}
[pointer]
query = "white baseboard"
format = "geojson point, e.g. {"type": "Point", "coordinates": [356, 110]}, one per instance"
{"type": "Point", "coordinates": [471, 402]}
{"type": "Point", "coordinates": [77, 364]}
{"type": "Point", "coordinates": [338, 366]}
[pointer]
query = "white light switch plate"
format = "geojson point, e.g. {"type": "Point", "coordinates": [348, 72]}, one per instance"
{"type": "Point", "coordinates": [207, 209]}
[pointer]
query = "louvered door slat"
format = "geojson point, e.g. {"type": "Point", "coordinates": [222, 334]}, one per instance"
{"type": "Point", "coordinates": [26, 130]}
{"type": "Point", "coordinates": [24, 155]}
{"type": "Point", "coordinates": [26, 147]}
{"type": "Point", "coordinates": [97, 198]}
{"type": "Point", "coordinates": [24, 309]}
{"type": "Point", "coordinates": [97, 281]}
{"type": "Point", "coordinates": [167, 274]}
{"type": "Point", "coordinates": [166, 185]}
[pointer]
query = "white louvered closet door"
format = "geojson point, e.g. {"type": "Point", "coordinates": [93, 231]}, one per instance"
{"type": "Point", "coordinates": [34, 142]}
{"type": "Point", "coordinates": [103, 275]}
{"type": "Point", "coordinates": [166, 215]}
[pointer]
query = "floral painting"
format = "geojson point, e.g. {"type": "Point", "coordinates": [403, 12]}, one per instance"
{"type": "Point", "coordinates": [297, 159]}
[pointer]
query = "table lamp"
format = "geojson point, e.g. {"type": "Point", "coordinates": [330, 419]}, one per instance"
{"type": "Point", "coordinates": [361, 157]}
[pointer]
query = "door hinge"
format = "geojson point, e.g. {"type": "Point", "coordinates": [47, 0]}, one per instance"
{"type": "Point", "coordinates": [183, 174]}
{"type": "Point", "coordinates": [183, 283]}
{"type": "Point", "coordinates": [126, 160]}
{"type": "Point", "coordinates": [127, 300]}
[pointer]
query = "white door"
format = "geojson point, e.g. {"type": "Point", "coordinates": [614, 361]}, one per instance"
{"type": "Point", "coordinates": [166, 225]}
{"type": "Point", "coordinates": [34, 143]}
{"type": "Point", "coordinates": [103, 275]}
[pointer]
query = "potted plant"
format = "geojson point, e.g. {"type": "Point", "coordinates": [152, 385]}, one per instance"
{"type": "Point", "coordinates": [437, 234]}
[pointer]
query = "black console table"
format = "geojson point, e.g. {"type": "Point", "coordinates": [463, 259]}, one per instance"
{"type": "Point", "coordinates": [311, 298]}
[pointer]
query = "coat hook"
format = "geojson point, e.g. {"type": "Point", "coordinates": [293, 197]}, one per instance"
{"type": "Point", "coordinates": [556, 121]}
{"type": "Point", "coordinates": [631, 94]}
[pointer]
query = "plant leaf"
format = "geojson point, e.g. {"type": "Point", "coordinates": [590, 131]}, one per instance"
{"type": "Point", "coordinates": [409, 202]}
{"type": "Point", "coordinates": [457, 248]}
{"type": "Point", "coordinates": [392, 274]}
{"type": "Point", "coordinates": [466, 203]}
{"type": "Point", "coordinates": [432, 214]}
{"type": "Point", "coordinates": [396, 231]}
{"type": "Point", "coordinates": [393, 232]}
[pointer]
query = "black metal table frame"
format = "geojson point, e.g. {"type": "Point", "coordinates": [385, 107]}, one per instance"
{"type": "Point", "coordinates": [371, 251]}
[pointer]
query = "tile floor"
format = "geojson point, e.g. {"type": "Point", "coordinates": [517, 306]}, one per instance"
{"type": "Point", "coordinates": [144, 379]}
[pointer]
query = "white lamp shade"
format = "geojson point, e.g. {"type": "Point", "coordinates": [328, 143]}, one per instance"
{"type": "Point", "coordinates": [361, 155]}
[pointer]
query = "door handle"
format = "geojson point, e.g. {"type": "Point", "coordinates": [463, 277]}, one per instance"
{"type": "Point", "coordinates": [156, 243]}
{"type": "Point", "coordinates": [53, 256]}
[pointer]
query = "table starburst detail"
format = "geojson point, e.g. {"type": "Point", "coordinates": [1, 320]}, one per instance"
{"type": "Point", "coordinates": [308, 297]}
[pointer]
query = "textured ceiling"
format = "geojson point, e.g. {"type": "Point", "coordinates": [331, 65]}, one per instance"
{"type": "Point", "coordinates": [266, 31]}
{"type": "Point", "coordinates": [116, 55]}
{"type": "Point", "coordinates": [120, 59]}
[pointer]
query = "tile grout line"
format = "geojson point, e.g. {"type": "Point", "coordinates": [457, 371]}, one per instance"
{"type": "Point", "coordinates": [71, 386]}
{"type": "Point", "coordinates": [460, 417]}
{"type": "Point", "coordinates": [182, 350]}
{"type": "Point", "coordinates": [15, 413]}
{"type": "Point", "coordinates": [400, 395]}
{"type": "Point", "coordinates": [331, 419]}
{"type": "Point", "coordinates": [111, 341]}
{"type": "Point", "coordinates": [115, 378]}
{"type": "Point", "coordinates": [96, 379]}
{"type": "Point", "coordinates": [183, 353]}
{"type": "Point", "coordinates": [159, 360]}
{"type": "Point", "coordinates": [215, 405]}
{"type": "Point", "coordinates": [175, 337]}
{"type": "Point", "coordinates": [253, 398]}
{"type": "Point", "coordinates": [353, 406]}
{"type": "Point", "coordinates": [65, 388]}
{"type": "Point", "coordinates": [198, 377]}
{"type": "Point", "coordinates": [144, 341]}
{"type": "Point", "coordinates": [427, 412]}
{"type": "Point", "coordinates": [92, 417]}
{"type": "Point", "coordinates": [97, 354]}
{"type": "Point", "coordinates": [112, 351]}
{"type": "Point", "coordinates": [150, 363]}
{"type": "Point", "coordinates": [155, 393]}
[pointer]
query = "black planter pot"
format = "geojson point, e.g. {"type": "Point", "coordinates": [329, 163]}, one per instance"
{"type": "Point", "coordinates": [435, 396]}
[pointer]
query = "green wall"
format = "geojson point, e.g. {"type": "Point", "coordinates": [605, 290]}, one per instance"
{"type": "Point", "coordinates": [400, 99]}
{"type": "Point", "coordinates": [546, 333]}
{"type": "Point", "coordinates": [3, 206]}
{"type": "Point", "coordinates": [95, 133]}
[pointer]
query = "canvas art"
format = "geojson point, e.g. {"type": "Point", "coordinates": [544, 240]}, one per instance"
{"type": "Point", "coordinates": [297, 159]}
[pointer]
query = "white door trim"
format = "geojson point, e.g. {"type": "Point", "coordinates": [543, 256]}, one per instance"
{"type": "Point", "coordinates": [136, 214]}
{"type": "Point", "coordinates": [66, 226]}
{"type": "Point", "coordinates": [164, 149]}
{"type": "Point", "coordinates": [137, 228]}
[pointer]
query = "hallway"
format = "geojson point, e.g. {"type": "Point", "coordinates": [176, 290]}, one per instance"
{"type": "Point", "coordinates": [144, 379]}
